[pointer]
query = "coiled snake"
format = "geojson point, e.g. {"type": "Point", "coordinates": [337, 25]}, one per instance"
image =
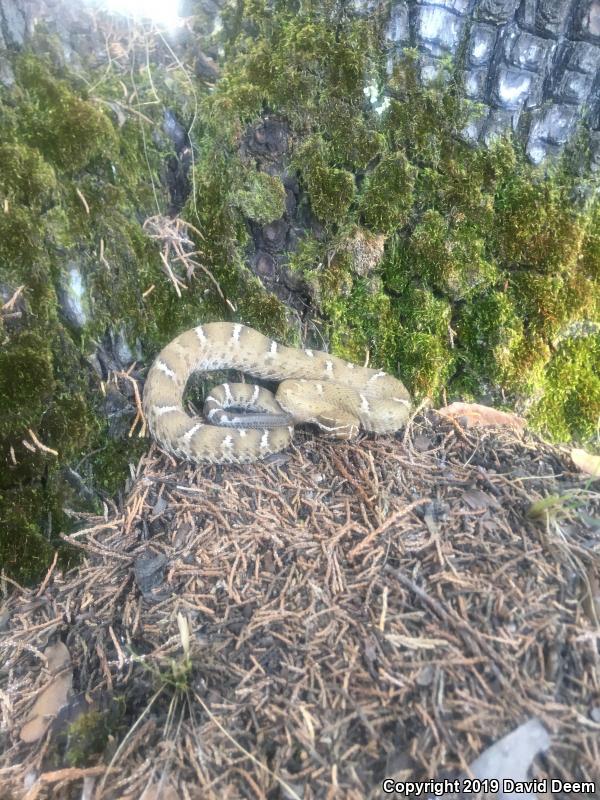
{"type": "Point", "coordinates": [337, 396]}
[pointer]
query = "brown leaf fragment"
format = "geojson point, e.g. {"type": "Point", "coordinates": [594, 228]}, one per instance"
{"type": "Point", "coordinates": [477, 499]}
{"type": "Point", "coordinates": [472, 415]}
{"type": "Point", "coordinates": [422, 443]}
{"type": "Point", "coordinates": [585, 461]}
{"type": "Point", "coordinates": [53, 696]}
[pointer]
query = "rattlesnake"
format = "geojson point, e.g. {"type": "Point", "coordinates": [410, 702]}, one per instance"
{"type": "Point", "coordinates": [315, 387]}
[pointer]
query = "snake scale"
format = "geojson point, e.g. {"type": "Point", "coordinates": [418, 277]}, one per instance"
{"type": "Point", "coordinates": [315, 387]}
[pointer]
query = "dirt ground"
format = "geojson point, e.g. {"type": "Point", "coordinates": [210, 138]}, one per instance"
{"type": "Point", "coordinates": [305, 628]}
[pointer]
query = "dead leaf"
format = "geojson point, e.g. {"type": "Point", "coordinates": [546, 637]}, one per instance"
{"type": "Point", "coordinates": [476, 415]}
{"type": "Point", "coordinates": [53, 696]}
{"type": "Point", "coordinates": [477, 499]}
{"type": "Point", "coordinates": [422, 443]}
{"type": "Point", "coordinates": [586, 461]}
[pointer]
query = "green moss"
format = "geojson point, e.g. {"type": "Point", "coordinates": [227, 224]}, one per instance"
{"type": "Point", "coordinates": [387, 197]}
{"type": "Point", "coordinates": [536, 224]}
{"type": "Point", "coordinates": [108, 464]}
{"type": "Point", "coordinates": [331, 190]}
{"type": "Point", "coordinates": [25, 178]}
{"type": "Point", "coordinates": [424, 121]}
{"type": "Point", "coordinates": [352, 142]}
{"type": "Point", "coordinates": [26, 382]}
{"type": "Point", "coordinates": [262, 198]}
{"type": "Point", "coordinates": [451, 257]}
{"type": "Point", "coordinates": [309, 253]}
{"type": "Point", "coordinates": [68, 130]}
{"type": "Point", "coordinates": [361, 323]}
{"type": "Point", "coordinates": [525, 375]}
{"type": "Point", "coordinates": [264, 311]}
{"type": "Point", "coordinates": [25, 548]}
{"type": "Point", "coordinates": [570, 406]}
{"type": "Point", "coordinates": [87, 737]}
{"type": "Point", "coordinates": [21, 243]}
{"type": "Point", "coordinates": [58, 148]}
{"type": "Point", "coordinates": [549, 302]}
{"type": "Point", "coordinates": [490, 330]}
{"type": "Point", "coordinates": [335, 280]}
{"type": "Point", "coordinates": [425, 355]}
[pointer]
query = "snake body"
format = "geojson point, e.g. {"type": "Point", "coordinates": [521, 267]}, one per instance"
{"type": "Point", "coordinates": [316, 387]}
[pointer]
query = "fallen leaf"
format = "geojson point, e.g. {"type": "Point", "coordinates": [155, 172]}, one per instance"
{"type": "Point", "coordinates": [476, 499]}
{"type": "Point", "coordinates": [53, 696]}
{"type": "Point", "coordinates": [422, 443]}
{"type": "Point", "coordinates": [586, 461]}
{"type": "Point", "coordinates": [476, 415]}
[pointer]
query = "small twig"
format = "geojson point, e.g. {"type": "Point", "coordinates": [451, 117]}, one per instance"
{"type": "Point", "coordinates": [46, 580]}
{"type": "Point", "coordinates": [138, 403]}
{"type": "Point", "coordinates": [39, 444]}
{"type": "Point", "coordinates": [16, 294]}
{"type": "Point", "coordinates": [83, 200]}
